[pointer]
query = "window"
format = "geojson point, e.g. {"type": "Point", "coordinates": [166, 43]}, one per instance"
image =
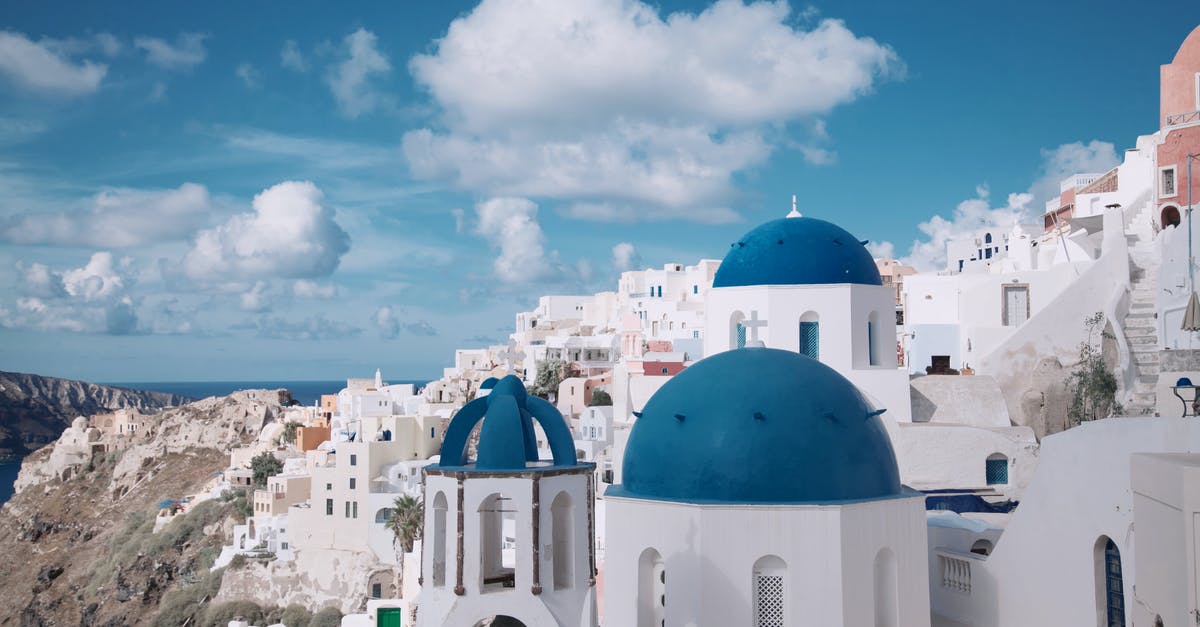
{"type": "Point", "coordinates": [810, 335]}
{"type": "Point", "coordinates": [353, 483]}
{"type": "Point", "coordinates": [695, 335]}
{"type": "Point", "coordinates": [355, 510]}
{"type": "Point", "coordinates": [284, 546]}
{"type": "Point", "coordinates": [1015, 305]}
{"type": "Point", "coordinates": [562, 532]}
{"type": "Point", "coordinates": [347, 514]}
{"type": "Point", "coordinates": [328, 486]}
{"type": "Point", "coordinates": [987, 254]}
{"type": "Point", "coordinates": [1166, 181]}
{"type": "Point", "coordinates": [431, 432]}
{"type": "Point", "coordinates": [769, 598]}
{"type": "Point", "coordinates": [664, 371]}
{"type": "Point", "coordinates": [329, 507]}
{"type": "Point", "coordinates": [695, 289]}
{"type": "Point", "coordinates": [987, 238]}
{"type": "Point", "coordinates": [376, 591]}
{"type": "Point", "coordinates": [354, 460]}
{"type": "Point", "coordinates": [872, 358]}
{"type": "Point", "coordinates": [741, 336]}
{"type": "Point", "coordinates": [1110, 584]}
{"type": "Point", "coordinates": [997, 469]}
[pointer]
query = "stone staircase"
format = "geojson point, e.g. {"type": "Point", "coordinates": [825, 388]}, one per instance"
{"type": "Point", "coordinates": [1141, 323]}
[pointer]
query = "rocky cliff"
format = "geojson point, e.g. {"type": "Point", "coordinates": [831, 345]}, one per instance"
{"type": "Point", "coordinates": [80, 530]}
{"type": "Point", "coordinates": [34, 410]}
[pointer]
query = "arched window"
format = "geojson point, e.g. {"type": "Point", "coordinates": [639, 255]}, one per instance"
{"type": "Point", "coordinates": [652, 590]}
{"type": "Point", "coordinates": [497, 553]}
{"type": "Point", "coordinates": [810, 335]}
{"type": "Point", "coordinates": [1169, 216]}
{"type": "Point", "coordinates": [770, 598]}
{"type": "Point", "coordinates": [384, 515]}
{"type": "Point", "coordinates": [997, 469]}
{"type": "Point", "coordinates": [737, 332]}
{"type": "Point", "coordinates": [987, 238]}
{"type": "Point", "coordinates": [1110, 585]}
{"type": "Point", "coordinates": [887, 593]}
{"type": "Point", "coordinates": [562, 519]}
{"type": "Point", "coordinates": [439, 539]}
{"type": "Point", "coordinates": [982, 546]}
{"type": "Point", "coordinates": [872, 349]}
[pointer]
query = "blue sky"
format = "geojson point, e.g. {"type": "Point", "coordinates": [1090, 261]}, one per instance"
{"type": "Point", "coordinates": [309, 191]}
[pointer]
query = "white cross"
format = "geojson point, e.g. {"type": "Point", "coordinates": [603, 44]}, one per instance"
{"type": "Point", "coordinates": [752, 324]}
{"type": "Point", "coordinates": [511, 355]}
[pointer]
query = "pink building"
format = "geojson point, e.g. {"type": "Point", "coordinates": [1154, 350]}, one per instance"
{"type": "Point", "coordinates": [1180, 120]}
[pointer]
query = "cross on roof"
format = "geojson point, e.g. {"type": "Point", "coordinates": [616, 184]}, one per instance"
{"type": "Point", "coordinates": [511, 355]}
{"type": "Point", "coordinates": [752, 324]}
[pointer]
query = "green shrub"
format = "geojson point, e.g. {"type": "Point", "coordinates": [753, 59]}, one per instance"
{"type": "Point", "coordinates": [295, 615]}
{"type": "Point", "coordinates": [265, 465]}
{"type": "Point", "coordinates": [328, 617]}
{"type": "Point", "coordinates": [220, 614]}
{"type": "Point", "coordinates": [238, 562]}
{"type": "Point", "coordinates": [185, 605]}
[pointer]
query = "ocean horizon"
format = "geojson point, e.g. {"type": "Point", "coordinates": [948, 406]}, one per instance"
{"type": "Point", "coordinates": [305, 392]}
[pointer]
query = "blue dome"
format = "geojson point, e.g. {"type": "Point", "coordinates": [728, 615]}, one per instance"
{"type": "Point", "coordinates": [506, 438]}
{"type": "Point", "coordinates": [759, 425]}
{"type": "Point", "coordinates": [797, 251]}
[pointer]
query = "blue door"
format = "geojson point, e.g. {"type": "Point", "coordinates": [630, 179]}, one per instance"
{"type": "Point", "coordinates": [810, 339]}
{"type": "Point", "coordinates": [741, 336]}
{"type": "Point", "coordinates": [1115, 585]}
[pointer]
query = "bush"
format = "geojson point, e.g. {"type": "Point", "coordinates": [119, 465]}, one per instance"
{"type": "Point", "coordinates": [289, 431]}
{"type": "Point", "coordinates": [1092, 387]}
{"type": "Point", "coordinates": [185, 605]}
{"type": "Point", "coordinates": [600, 398]}
{"type": "Point", "coordinates": [238, 562]}
{"type": "Point", "coordinates": [220, 614]}
{"type": "Point", "coordinates": [265, 465]}
{"type": "Point", "coordinates": [296, 615]}
{"type": "Point", "coordinates": [328, 617]}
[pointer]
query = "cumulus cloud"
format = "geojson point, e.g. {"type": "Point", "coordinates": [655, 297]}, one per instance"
{"type": "Point", "coordinates": [90, 299]}
{"type": "Point", "coordinates": [187, 52]}
{"type": "Point", "coordinates": [626, 113]}
{"type": "Point", "coordinates": [257, 298]}
{"type": "Point", "coordinates": [116, 218]}
{"type": "Point", "coordinates": [46, 67]}
{"type": "Point", "coordinates": [350, 80]}
{"type": "Point", "coordinates": [882, 250]}
{"type": "Point", "coordinates": [979, 212]}
{"type": "Point", "coordinates": [311, 289]}
{"type": "Point", "coordinates": [511, 227]}
{"type": "Point", "coordinates": [625, 257]}
{"type": "Point", "coordinates": [389, 323]}
{"type": "Point", "coordinates": [290, 234]}
{"type": "Point", "coordinates": [248, 74]}
{"type": "Point", "coordinates": [313, 328]}
{"type": "Point", "coordinates": [291, 58]}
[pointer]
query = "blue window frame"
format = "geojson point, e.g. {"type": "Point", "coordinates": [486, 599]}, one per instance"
{"type": "Point", "coordinates": [1114, 585]}
{"type": "Point", "coordinates": [987, 254]}
{"type": "Point", "coordinates": [741, 336]}
{"type": "Point", "coordinates": [997, 471]}
{"type": "Point", "coordinates": [695, 289]}
{"type": "Point", "coordinates": [810, 339]}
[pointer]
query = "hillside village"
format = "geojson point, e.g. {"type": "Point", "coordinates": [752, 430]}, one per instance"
{"type": "Point", "coordinates": [925, 441]}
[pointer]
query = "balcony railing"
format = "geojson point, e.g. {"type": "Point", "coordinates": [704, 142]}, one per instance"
{"type": "Point", "coordinates": [1183, 118]}
{"type": "Point", "coordinates": [955, 569]}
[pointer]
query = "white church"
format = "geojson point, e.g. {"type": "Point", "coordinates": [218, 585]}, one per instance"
{"type": "Point", "coordinates": [761, 486]}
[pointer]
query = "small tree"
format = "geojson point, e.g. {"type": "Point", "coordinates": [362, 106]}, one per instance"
{"type": "Point", "coordinates": [1092, 387]}
{"type": "Point", "coordinates": [407, 521]}
{"type": "Point", "coordinates": [264, 465]}
{"type": "Point", "coordinates": [550, 374]}
{"type": "Point", "coordinates": [600, 398]}
{"type": "Point", "coordinates": [289, 431]}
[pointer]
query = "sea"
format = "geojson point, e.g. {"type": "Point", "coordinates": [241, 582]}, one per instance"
{"type": "Point", "coordinates": [305, 392]}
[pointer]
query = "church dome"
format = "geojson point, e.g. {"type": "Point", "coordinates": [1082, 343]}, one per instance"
{"type": "Point", "coordinates": [759, 425]}
{"type": "Point", "coordinates": [797, 251]}
{"type": "Point", "coordinates": [507, 441]}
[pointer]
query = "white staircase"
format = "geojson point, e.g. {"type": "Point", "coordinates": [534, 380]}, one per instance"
{"type": "Point", "coordinates": [1141, 323]}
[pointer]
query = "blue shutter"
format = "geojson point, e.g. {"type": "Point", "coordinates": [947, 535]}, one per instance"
{"type": "Point", "coordinates": [810, 339]}
{"type": "Point", "coordinates": [997, 471]}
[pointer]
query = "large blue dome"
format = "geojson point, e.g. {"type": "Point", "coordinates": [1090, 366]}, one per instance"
{"type": "Point", "coordinates": [797, 251]}
{"type": "Point", "coordinates": [759, 425]}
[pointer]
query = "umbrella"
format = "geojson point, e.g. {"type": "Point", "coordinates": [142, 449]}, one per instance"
{"type": "Point", "coordinates": [1191, 316]}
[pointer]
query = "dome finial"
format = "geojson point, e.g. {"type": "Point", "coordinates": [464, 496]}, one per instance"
{"type": "Point", "coordinates": [793, 213]}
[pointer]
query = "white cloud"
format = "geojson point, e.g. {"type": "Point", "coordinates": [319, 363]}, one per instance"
{"type": "Point", "coordinates": [187, 52]}
{"type": "Point", "coordinates": [116, 218]}
{"type": "Point", "coordinates": [304, 288]}
{"type": "Point", "coordinates": [290, 234]}
{"type": "Point", "coordinates": [351, 79]}
{"type": "Point", "coordinates": [882, 250]}
{"type": "Point", "coordinates": [625, 257]}
{"type": "Point", "coordinates": [248, 74]}
{"type": "Point", "coordinates": [92, 298]}
{"type": "Point", "coordinates": [313, 328]}
{"type": "Point", "coordinates": [510, 225]}
{"type": "Point", "coordinates": [389, 324]}
{"type": "Point", "coordinates": [1026, 207]}
{"type": "Point", "coordinates": [1076, 158]}
{"type": "Point", "coordinates": [609, 105]}
{"type": "Point", "coordinates": [291, 58]}
{"type": "Point", "coordinates": [40, 67]}
{"type": "Point", "coordinates": [257, 298]}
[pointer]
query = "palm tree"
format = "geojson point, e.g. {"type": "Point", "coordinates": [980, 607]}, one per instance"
{"type": "Point", "coordinates": [406, 521]}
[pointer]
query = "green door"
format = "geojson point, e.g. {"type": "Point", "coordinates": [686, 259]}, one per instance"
{"type": "Point", "coordinates": [387, 617]}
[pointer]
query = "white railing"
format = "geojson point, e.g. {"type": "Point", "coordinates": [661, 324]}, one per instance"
{"type": "Point", "coordinates": [955, 569]}
{"type": "Point", "coordinates": [1075, 181]}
